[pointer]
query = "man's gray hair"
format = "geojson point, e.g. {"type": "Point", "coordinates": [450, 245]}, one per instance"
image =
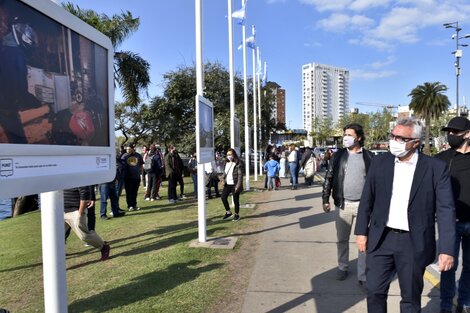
{"type": "Point", "coordinates": [413, 123]}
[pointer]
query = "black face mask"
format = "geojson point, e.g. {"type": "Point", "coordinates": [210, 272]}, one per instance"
{"type": "Point", "coordinates": [455, 141]}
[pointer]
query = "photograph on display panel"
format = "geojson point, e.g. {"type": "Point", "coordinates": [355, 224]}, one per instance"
{"type": "Point", "coordinates": [54, 88]}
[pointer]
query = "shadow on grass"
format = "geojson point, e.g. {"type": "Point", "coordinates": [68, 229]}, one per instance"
{"type": "Point", "coordinates": [22, 267]}
{"type": "Point", "coordinates": [142, 287]}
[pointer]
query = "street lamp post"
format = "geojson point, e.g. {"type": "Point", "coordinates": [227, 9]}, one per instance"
{"type": "Point", "coordinates": [458, 54]}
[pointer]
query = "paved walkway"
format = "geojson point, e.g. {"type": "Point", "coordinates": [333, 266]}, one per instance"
{"type": "Point", "coordinates": [296, 261]}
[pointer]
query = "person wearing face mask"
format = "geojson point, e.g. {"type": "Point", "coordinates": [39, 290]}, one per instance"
{"type": "Point", "coordinates": [344, 180]}
{"type": "Point", "coordinates": [458, 160]}
{"type": "Point", "coordinates": [233, 183]}
{"type": "Point", "coordinates": [405, 193]}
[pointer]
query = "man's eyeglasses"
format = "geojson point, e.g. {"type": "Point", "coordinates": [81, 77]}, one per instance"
{"type": "Point", "coordinates": [401, 139]}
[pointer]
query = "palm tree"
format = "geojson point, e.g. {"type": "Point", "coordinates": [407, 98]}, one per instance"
{"type": "Point", "coordinates": [429, 102]}
{"type": "Point", "coordinates": [131, 72]}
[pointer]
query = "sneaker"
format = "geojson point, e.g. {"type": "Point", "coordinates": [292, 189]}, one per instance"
{"type": "Point", "coordinates": [137, 208]}
{"type": "Point", "coordinates": [86, 245]}
{"type": "Point", "coordinates": [341, 275]}
{"type": "Point", "coordinates": [158, 197]}
{"type": "Point", "coordinates": [182, 197]}
{"type": "Point", "coordinates": [121, 210]}
{"type": "Point", "coordinates": [147, 199]}
{"type": "Point", "coordinates": [104, 217]}
{"type": "Point", "coordinates": [227, 216]}
{"type": "Point", "coordinates": [236, 218]}
{"type": "Point", "coordinates": [152, 199]}
{"type": "Point", "coordinates": [131, 209]}
{"type": "Point", "coordinates": [105, 251]}
{"type": "Point", "coordinates": [171, 201]}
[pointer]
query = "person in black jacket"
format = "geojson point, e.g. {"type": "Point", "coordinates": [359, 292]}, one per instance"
{"type": "Point", "coordinates": [76, 204]}
{"type": "Point", "coordinates": [155, 170]}
{"type": "Point", "coordinates": [344, 180]}
{"type": "Point", "coordinates": [233, 183]}
{"type": "Point", "coordinates": [458, 160]}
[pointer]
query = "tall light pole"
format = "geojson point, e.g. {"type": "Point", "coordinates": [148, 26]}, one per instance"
{"type": "Point", "coordinates": [458, 54]}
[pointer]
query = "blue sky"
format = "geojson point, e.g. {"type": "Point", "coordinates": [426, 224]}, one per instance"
{"type": "Point", "coordinates": [389, 46]}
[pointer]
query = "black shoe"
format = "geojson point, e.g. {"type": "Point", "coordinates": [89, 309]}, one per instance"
{"type": "Point", "coordinates": [120, 214]}
{"type": "Point", "coordinates": [227, 216]}
{"type": "Point", "coordinates": [459, 309]}
{"type": "Point", "coordinates": [236, 218]}
{"type": "Point", "coordinates": [122, 211]}
{"type": "Point", "coordinates": [218, 195]}
{"type": "Point", "coordinates": [105, 251]}
{"type": "Point", "coordinates": [104, 217]}
{"type": "Point", "coordinates": [341, 275]}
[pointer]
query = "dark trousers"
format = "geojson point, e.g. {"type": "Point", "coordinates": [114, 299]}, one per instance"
{"type": "Point", "coordinates": [151, 191]}
{"type": "Point", "coordinates": [394, 256]}
{"type": "Point", "coordinates": [108, 190]}
{"type": "Point", "coordinates": [180, 181]}
{"type": "Point", "coordinates": [91, 218]}
{"type": "Point", "coordinates": [172, 181]}
{"type": "Point", "coordinates": [236, 198]}
{"type": "Point", "coordinates": [119, 186]}
{"type": "Point", "coordinates": [132, 187]}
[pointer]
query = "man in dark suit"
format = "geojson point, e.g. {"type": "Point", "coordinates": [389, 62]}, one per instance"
{"type": "Point", "coordinates": [404, 193]}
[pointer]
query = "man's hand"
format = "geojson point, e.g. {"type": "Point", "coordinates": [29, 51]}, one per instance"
{"type": "Point", "coordinates": [326, 207]}
{"type": "Point", "coordinates": [361, 242]}
{"type": "Point", "coordinates": [446, 262]}
{"type": "Point", "coordinates": [90, 203]}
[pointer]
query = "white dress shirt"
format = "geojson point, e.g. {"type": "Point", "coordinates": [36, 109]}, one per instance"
{"type": "Point", "coordinates": [402, 181]}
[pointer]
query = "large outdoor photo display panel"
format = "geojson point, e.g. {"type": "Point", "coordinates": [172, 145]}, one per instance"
{"type": "Point", "coordinates": [204, 130]}
{"type": "Point", "coordinates": [56, 100]}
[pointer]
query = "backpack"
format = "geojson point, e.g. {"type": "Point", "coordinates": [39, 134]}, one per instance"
{"type": "Point", "coordinates": [148, 163]}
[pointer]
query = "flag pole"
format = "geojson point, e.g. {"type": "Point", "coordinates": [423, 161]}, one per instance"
{"type": "Point", "coordinates": [258, 58]}
{"type": "Point", "coordinates": [201, 203]}
{"type": "Point", "coordinates": [255, 130]}
{"type": "Point", "coordinates": [245, 96]}
{"type": "Point", "coordinates": [231, 69]}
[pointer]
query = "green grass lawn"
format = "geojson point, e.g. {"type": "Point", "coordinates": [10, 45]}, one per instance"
{"type": "Point", "coordinates": [151, 269]}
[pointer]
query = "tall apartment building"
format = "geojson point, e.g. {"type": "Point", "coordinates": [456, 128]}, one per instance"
{"type": "Point", "coordinates": [279, 111]}
{"type": "Point", "coordinates": [325, 93]}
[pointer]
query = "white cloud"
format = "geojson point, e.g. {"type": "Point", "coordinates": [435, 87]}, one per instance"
{"type": "Point", "coordinates": [361, 5]}
{"type": "Point", "coordinates": [312, 44]}
{"type": "Point", "coordinates": [383, 24]}
{"type": "Point", "coordinates": [368, 75]}
{"type": "Point", "coordinates": [328, 5]}
{"type": "Point", "coordinates": [338, 22]}
{"type": "Point", "coordinates": [387, 62]}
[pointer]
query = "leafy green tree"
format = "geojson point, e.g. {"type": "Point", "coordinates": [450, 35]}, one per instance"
{"type": "Point", "coordinates": [268, 122]}
{"type": "Point", "coordinates": [429, 102]}
{"type": "Point", "coordinates": [322, 129]}
{"type": "Point", "coordinates": [174, 117]}
{"type": "Point", "coordinates": [131, 72]}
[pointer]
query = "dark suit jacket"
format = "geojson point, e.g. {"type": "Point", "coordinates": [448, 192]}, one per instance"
{"type": "Point", "coordinates": [430, 198]}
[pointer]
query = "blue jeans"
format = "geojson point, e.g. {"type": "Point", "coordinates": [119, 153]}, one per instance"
{"type": "Point", "coordinates": [108, 190]}
{"type": "Point", "coordinates": [448, 278]}
{"type": "Point", "coordinates": [293, 173]}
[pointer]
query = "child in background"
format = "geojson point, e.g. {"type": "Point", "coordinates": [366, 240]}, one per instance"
{"type": "Point", "coordinates": [272, 168]}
